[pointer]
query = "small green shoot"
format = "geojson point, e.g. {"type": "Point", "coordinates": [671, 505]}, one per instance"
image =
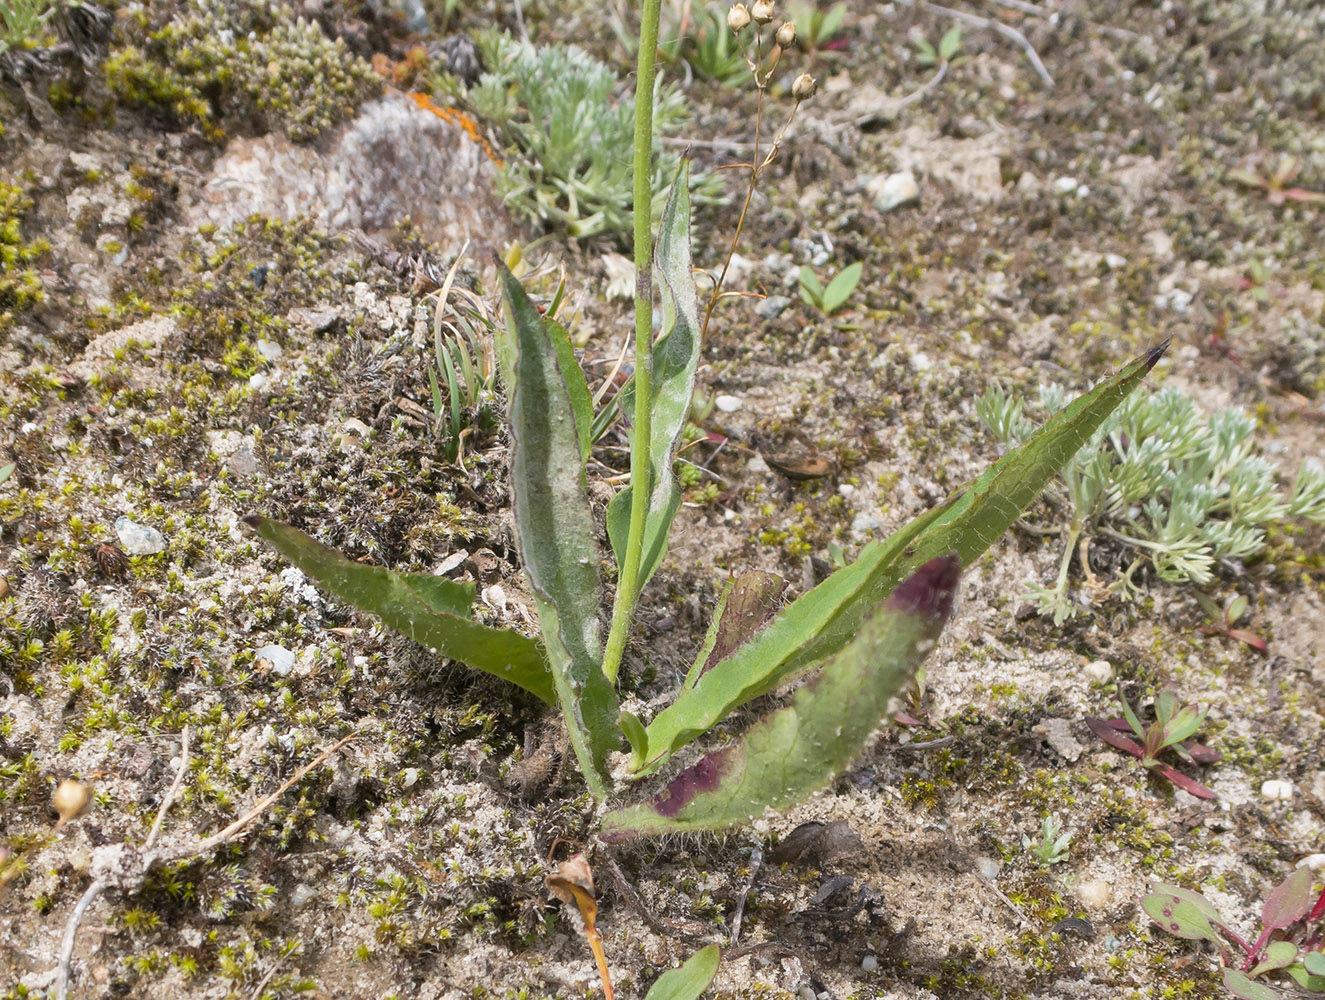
{"type": "Point", "coordinates": [7, 470]}
{"type": "Point", "coordinates": [817, 27]}
{"type": "Point", "coordinates": [949, 45]}
{"type": "Point", "coordinates": [1276, 183]}
{"type": "Point", "coordinates": [829, 300]}
{"type": "Point", "coordinates": [1172, 729]}
{"type": "Point", "coordinates": [1052, 847]}
{"type": "Point", "coordinates": [1290, 940]}
{"type": "Point", "coordinates": [1227, 617]}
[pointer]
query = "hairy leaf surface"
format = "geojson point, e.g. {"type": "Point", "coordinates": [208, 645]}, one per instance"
{"type": "Point", "coordinates": [793, 751]}
{"type": "Point", "coordinates": [821, 621]}
{"type": "Point", "coordinates": [555, 529]}
{"type": "Point", "coordinates": [427, 609]}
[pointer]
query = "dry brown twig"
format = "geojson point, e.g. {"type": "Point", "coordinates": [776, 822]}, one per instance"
{"type": "Point", "coordinates": [126, 867]}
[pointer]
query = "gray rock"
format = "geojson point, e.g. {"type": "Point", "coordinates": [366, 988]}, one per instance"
{"type": "Point", "coordinates": [393, 160]}
{"type": "Point", "coordinates": [772, 307]}
{"type": "Point", "coordinates": [139, 539]}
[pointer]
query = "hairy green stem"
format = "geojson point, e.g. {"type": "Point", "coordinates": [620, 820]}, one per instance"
{"type": "Point", "coordinates": [640, 459]}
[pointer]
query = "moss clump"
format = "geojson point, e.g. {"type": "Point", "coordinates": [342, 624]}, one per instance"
{"type": "Point", "coordinates": [20, 287]}
{"type": "Point", "coordinates": [254, 60]}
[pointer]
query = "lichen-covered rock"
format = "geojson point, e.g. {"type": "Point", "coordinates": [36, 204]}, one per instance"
{"type": "Point", "coordinates": [391, 162]}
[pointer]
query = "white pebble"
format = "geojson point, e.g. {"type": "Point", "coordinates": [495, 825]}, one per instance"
{"type": "Point", "coordinates": [280, 658]}
{"type": "Point", "coordinates": [1094, 893]}
{"type": "Point", "coordinates": [869, 963]}
{"type": "Point", "coordinates": [1064, 185]}
{"type": "Point", "coordinates": [139, 539]}
{"type": "Point", "coordinates": [988, 867]}
{"type": "Point", "coordinates": [896, 190]}
{"type": "Point", "coordinates": [1098, 671]}
{"type": "Point", "coordinates": [728, 404]}
{"type": "Point", "coordinates": [257, 380]}
{"type": "Point", "coordinates": [1277, 790]}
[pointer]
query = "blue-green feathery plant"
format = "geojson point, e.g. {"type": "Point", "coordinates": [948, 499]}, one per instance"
{"type": "Point", "coordinates": [857, 637]}
{"type": "Point", "coordinates": [1184, 492]}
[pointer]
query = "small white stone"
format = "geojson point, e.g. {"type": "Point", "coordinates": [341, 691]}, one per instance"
{"type": "Point", "coordinates": [409, 777]}
{"type": "Point", "coordinates": [864, 523]}
{"type": "Point", "coordinates": [1315, 862]}
{"type": "Point", "coordinates": [845, 490]}
{"type": "Point", "coordinates": [869, 963]}
{"type": "Point", "coordinates": [1277, 790]}
{"type": "Point", "coordinates": [756, 464]}
{"type": "Point", "coordinates": [1094, 893]}
{"type": "Point", "coordinates": [139, 539]}
{"type": "Point", "coordinates": [494, 597]}
{"type": "Point", "coordinates": [269, 350]}
{"type": "Point", "coordinates": [1113, 261]}
{"type": "Point", "coordinates": [988, 867]}
{"type": "Point", "coordinates": [896, 190]}
{"type": "Point", "coordinates": [302, 894]}
{"type": "Point", "coordinates": [257, 380]}
{"type": "Point", "coordinates": [921, 362]}
{"type": "Point", "coordinates": [280, 658]}
{"type": "Point", "coordinates": [1083, 191]}
{"type": "Point", "coordinates": [1098, 671]}
{"type": "Point", "coordinates": [728, 404]}
{"type": "Point", "coordinates": [1064, 185]}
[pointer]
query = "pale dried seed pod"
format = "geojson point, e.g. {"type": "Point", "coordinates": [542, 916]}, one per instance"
{"type": "Point", "coordinates": [763, 11]}
{"type": "Point", "coordinates": [70, 799]}
{"type": "Point", "coordinates": [738, 18]}
{"type": "Point", "coordinates": [786, 36]}
{"type": "Point", "coordinates": [803, 87]}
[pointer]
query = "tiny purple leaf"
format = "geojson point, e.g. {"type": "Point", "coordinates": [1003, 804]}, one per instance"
{"type": "Point", "coordinates": [1289, 901]}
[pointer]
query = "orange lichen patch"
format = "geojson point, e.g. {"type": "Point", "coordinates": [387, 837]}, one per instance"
{"type": "Point", "coordinates": [457, 118]}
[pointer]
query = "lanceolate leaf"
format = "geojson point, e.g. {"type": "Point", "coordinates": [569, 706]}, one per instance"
{"type": "Point", "coordinates": [675, 358]}
{"type": "Point", "coordinates": [798, 749]}
{"type": "Point", "coordinates": [746, 604]}
{"type": "Point", "coordinates": [1289, 901]}
{"type": "Point", "coordinates": [555, 529]}
{"type": "Point", "coordinates": [428, 609]}
{"type": "Point", "coordinates": [690, 980]}
{"type": "Point", "coordinates": [823, 620]}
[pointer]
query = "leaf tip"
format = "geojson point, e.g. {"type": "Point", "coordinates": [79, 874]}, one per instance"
{"type": "Point", "coordinates": [1155, 353]}
{"type": "Point", "coordinates": [930, 590]}
{"type": "Point", "coordinates": [252, 520]}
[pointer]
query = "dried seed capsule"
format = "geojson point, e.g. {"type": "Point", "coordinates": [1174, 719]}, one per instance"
{"type": "Point", "coordinates": [738, 18]}
{"type": "Point", "coordinates": [763, 11]}
{"type": "Point", "coordinates": [803, 87]}
{"type": "Point", "coordinates": [69, 800]}
{"type": "Point", "coordinates": [786, 36]}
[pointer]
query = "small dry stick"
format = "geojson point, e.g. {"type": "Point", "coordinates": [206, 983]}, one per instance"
{"type": "Point", "coordinates": [262, 983]}
{"type": "Point", "coordinates": [151, 860]}
{"type": "Point", "coordinates": [174, 788]}
{"type": "Point", "coordinates": [756, 859]}
{"type": "Point", "coordinates": [988, 23]}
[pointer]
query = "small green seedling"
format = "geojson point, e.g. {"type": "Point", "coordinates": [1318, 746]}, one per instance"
{"type": "Point", "coordinates": [829, 300]}
{"type": "Point", "coordinates": [1173, 728]}
{"type": "Point", "coordinates": [1227, 616]}
{"type": "Point", "coordinates": [1053, 844]}
{"type": "Point", "coordinates": [1290, 941]}
{"type": "Point", "coordinates": [816, 27]}
{"type": "Point", "coordinates": [1275, 184]}
{"type": "Point", "coordinates": [949, 45]}
{"type": "Point", "coordinates": [7, 470]}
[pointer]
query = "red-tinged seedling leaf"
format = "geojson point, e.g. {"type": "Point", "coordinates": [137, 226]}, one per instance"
{"type": "Point", "coordinates": [1279, 955]}
{"type": "Point", "coordinates": [1302, 195]}
{"type": "Point", "coordinates": [1202, 754]}
{"type": "Point", "coordinates": [1318, 910]}
{"type": "Point", "coordinates": [1183, 913]}
{"type": "Point", "coordinates": [1240, 985]}
{"type": "Point", "coordinates": [1289, 901]}
{"type": "Point", "coordinates": [1250, 638]}
{"type": "Point", "coordinates": [1189, 785]}
{"type": "Point", "coordinates": [1110, 735]}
